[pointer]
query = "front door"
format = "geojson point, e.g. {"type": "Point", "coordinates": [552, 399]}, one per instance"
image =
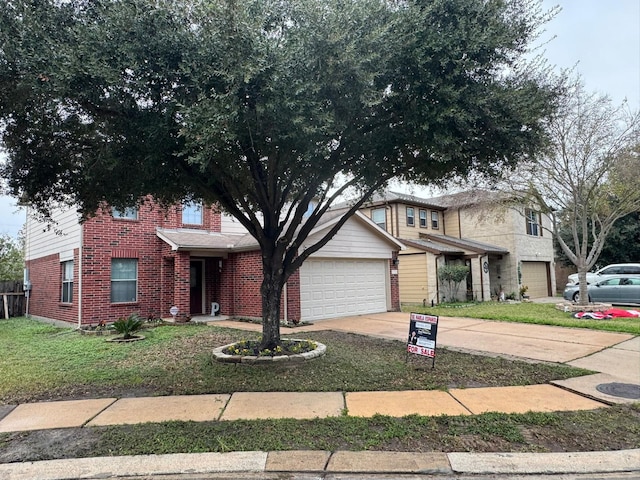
{"type": "Point", "coordinates": [195, 280]}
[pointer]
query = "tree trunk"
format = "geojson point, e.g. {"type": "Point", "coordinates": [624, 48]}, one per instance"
{"type": "Point", "coordinates": [271, 291]}
{"type": "Point", "coordinates": [582, 284]}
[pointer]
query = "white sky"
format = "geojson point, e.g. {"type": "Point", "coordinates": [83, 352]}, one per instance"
{"type": "Point", "coordinates": [600, 38]}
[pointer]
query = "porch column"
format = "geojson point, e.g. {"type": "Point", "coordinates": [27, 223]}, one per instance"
{"type": "Point", "coordinates": [486, 279]}
{"type": "Point", "coordinates": [181, 284]}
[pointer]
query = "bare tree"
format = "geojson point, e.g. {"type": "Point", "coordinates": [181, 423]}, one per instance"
{"type": "Point", "coordinates": [588, 177]}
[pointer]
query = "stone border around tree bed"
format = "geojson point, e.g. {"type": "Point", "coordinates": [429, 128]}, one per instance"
{"type": "Point", "coordinates": [575, 307]}
{"type": "Point", "coordinates": [219, 356]}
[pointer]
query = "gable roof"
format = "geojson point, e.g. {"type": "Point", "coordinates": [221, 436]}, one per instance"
{"type": "Point", "coordinates": [396, 197]}
{"type": "Point", "coordinates": [185, 239]}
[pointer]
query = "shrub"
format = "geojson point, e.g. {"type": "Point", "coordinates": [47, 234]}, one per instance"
{"type": "Point", "coordinates": [127, 326]}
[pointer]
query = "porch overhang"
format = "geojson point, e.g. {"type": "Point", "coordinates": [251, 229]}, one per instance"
{"type": "Point", "coordinates": [206, 243]}
{"type": "Point", "coordinates": [465, 244]}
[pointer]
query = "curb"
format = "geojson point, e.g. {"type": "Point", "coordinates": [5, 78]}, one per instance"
{"type": "Point", "coordinates": [340, 462]}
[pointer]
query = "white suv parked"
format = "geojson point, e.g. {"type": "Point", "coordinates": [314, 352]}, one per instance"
{"type": "Point", "coordinates": [606, 272]}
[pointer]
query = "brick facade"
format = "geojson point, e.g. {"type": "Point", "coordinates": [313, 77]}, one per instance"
{"type": "Point", "coordinates": [163, 275]}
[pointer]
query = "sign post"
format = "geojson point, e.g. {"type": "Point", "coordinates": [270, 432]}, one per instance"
{"type": "Point", "coordinates": [422, 336]}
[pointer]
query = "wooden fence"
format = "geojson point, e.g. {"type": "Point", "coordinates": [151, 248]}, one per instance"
{"type": "Point", "coordinates": [13, 299]}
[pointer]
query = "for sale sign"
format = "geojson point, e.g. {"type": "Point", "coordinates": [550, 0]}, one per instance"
{"type": "Point", "coordinates": [422, 334]}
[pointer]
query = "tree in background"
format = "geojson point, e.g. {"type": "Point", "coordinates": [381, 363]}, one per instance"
{"type": "Point", "coordinates": [622, 245]}
{"type": "Point", "coordinates": [587, 179]}
{"type": "Point", "coordinates": [451, 276]}
{"type": "Point", "coordinates": [11, 258]}
{"type": "Point", "coordinates": [264, 107]}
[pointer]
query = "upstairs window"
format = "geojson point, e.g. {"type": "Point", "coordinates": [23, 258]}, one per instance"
{"type": "Point", "coordinates": [435, 220]}
{"type": "Point", "coordinates": [533, 222]}
{"type": "Point", "coordinates": [192, 213]}
{"type": "Point", "coordinates": [411, 220]}
{"type": "Point", "coordinates": [423, 218]}
{"type": "Point", "coordinates": [129, 213]}
{"type": "Point", "coordinates": [379, 217]}
{"type": "Point", "coordinates": [67, 282]}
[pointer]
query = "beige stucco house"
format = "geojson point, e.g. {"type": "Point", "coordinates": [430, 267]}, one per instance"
{"type": "Point", "coordinates": [505, 248]}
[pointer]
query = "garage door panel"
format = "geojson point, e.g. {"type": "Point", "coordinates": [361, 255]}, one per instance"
{"type": "Point", "coordinates": [535, 276]}
{"type": "Point", "coordinates": [348, 287]}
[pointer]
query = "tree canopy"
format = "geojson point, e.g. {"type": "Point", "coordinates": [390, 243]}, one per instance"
{"type": "Point", "coordinates": [261, 106]}
{"type": "Point", "coordinates": [622, 244]}
{"type": "Point", "coordinates": [11, 258]}
{"type": "Point", "coordinates": [587, 179]}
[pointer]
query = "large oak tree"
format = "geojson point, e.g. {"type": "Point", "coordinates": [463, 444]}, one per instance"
{"type": "Point", "coordinates": [263, 107]}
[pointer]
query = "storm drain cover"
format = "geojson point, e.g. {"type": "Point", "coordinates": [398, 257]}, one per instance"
{"type": "Point", "coordinates": [624, 390]}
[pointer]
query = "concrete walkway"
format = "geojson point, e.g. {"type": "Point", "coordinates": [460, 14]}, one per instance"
{"type": "Point", "coordinates": [615, 356]}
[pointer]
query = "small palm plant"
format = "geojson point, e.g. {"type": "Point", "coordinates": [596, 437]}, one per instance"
{"type": "Point", "coordinates": [127, 326]}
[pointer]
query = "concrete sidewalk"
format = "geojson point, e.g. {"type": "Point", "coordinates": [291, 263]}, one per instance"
{"type": "Point", "coordinates": [297, 405]}
{"type": "Point", "coordinates": [318, 464]}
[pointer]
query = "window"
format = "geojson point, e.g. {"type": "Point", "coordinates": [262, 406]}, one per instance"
{"type": "Point", "coordinates": [411, 221]}
{"type": "Point", "coordinates": [192, 213]}
{"type": "Point", "coordinates": [124, 280]}
{"type": "Point", "coordinates": [435, 220]}
{"type": "Point", "coordinates": [423, 218]}
{"type": "Point", "coordinates": [379, 217]}
{"type": "Point", "coordinates": [129, 213]}
{"type": "Point", "coordinates": [533, 222]}
{"type": "Point", "coordinates": [67, 282]}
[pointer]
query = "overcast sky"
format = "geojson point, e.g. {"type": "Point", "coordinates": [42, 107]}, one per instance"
{"type": "Point", "coordinates": [600, 38]}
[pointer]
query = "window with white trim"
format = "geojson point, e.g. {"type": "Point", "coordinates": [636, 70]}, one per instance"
{"type": "Point", "coordinates": [124, 280]}
{"type": "Point", "coordinates": [129, 213]}
{"type": "Point", "coordinates": [379, 217]}
{"type": "Point", "coordinates": [411, 219]}
{"type": "Point", "coordinates": [435, 220]}
{"type": "Point", "coordinates": [192, 213]}
{"type": "Point", "coordinates": [533, 222]}
{"type": "Point", "coordinates": [423, 218]}
{"type": "Point", "coordinates": [66, 295]}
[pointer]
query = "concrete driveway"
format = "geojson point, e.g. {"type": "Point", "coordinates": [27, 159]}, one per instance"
{"type": "Point", "coordinates": [535, 342]}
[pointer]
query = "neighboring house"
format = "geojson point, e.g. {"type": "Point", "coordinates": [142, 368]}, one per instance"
{"type": "Point", "coordinates": [504, 248]}
{"type": "Point", "coordinates": [147, 260]}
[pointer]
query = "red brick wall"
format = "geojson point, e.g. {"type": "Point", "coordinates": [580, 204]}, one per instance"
{"type": "Point", "coordinates": [240, 281]}
{"type": "Point", "coordinates": [46, 289]}
{"type": "Point", "coordinates": [105, 238]}
{"type": "Point", "coordinates": [245, 270]}
{"type": "Point", "coordinates": [293, 298]}
{"type": "Point", "coordinates": [395, 285]}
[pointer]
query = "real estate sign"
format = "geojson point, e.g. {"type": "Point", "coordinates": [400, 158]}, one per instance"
{"type": "Point", "coordinates": [422, 335]}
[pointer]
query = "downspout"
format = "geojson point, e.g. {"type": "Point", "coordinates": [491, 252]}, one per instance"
{"type": "Point", "coordinates": [286, 304]}
{"type": "Point", "coordinates": [80, 276]}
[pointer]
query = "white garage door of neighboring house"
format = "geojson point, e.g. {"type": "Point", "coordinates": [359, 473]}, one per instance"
{"type": "Point", "coordinates": [535, 275]}
{"type": "Point", "coordinates": [338, 287]}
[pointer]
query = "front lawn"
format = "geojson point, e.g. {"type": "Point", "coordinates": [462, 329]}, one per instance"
{"type": "Point", "coordinates": [526, 312]}
{"type": "Point", "coordinates": [41, 362]}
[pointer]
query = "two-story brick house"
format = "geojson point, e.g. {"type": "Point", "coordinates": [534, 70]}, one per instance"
{"type": "Point", "coordinates": [504, 248]}
{"type": "Point", "coordinates": [148, 259]}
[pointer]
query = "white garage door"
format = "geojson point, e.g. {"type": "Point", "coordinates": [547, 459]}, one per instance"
{"type": "Point", "coordinates": [334, 288]}
{"type": "Point", "coordinates": [535, 276]}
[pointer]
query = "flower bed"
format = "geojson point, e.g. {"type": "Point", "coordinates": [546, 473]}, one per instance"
{"type": "Point", "coordinates": [96, 330]}
{"type": "Point", "coordinates": [247, 351]}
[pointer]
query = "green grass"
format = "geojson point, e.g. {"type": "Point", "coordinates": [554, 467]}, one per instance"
{"type": "Point", "coordinates": [538, 313]}
{"type": "Point", "coordinates": [41, 362]}
{"type": "Point", "coordinates": [611, 428]}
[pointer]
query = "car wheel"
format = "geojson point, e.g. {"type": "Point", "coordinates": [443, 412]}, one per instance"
{"type": "Point", "coordinates": [576, 297]}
